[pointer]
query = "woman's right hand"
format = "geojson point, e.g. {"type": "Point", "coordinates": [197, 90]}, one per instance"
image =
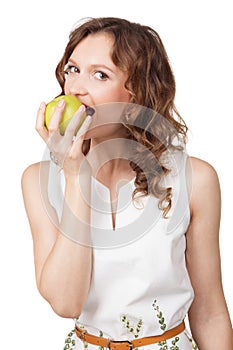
{"type": "Point", "coordinates": [65, 150]}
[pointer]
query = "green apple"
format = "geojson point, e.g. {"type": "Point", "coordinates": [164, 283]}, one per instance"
{"type": "Point", "coordinates": [72, 105]}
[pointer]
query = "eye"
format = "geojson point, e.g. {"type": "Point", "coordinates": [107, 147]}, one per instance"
{"type": "Point", "coordinates": [101, 75]}
{"type": "Point", "coordinates": [70, 69]}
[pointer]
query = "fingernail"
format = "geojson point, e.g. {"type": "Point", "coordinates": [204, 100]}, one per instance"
{"type": "Point", "coordinates": [61, 103]}
{"type": "Point", "coordinates": [81, 108]}
{"type": "Point", "coordinates": [90, 111]}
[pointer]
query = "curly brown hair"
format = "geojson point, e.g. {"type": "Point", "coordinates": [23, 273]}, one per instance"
{"type": "Point", "coordinates": [139, 50]}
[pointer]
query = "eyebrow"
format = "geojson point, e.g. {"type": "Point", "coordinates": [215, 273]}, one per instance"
{"type": "Point", "coordinates": [96, 65]}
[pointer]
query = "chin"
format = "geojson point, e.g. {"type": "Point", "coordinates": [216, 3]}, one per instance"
{"type": "Point", "coordinates": [105, 131]}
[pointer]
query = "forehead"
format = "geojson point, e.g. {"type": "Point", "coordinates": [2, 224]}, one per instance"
{"type": "Point", "coordinates": [96, 46]}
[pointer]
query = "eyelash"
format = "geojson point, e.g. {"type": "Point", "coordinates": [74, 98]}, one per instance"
{"type": "Point", "coordinates": [104, 75]}
{"type": "Point", "coordinates": [70, 69]}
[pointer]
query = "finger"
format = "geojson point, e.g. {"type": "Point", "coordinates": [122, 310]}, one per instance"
{"type": "Point", "coordinates": [56, 117]}
{"type": "Point", "coordinates": [75, 122]}
{"type": "Point", "coordinates": [40, 122]}
{"type": "Point", "coordinates": [84, 128]}
{"type": "Point", "coordinates": [76, 148]}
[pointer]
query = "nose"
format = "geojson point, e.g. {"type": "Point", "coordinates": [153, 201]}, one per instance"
{"type": "Point", "coordinates": [77, 86]}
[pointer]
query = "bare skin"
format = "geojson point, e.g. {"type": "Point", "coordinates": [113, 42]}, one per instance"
{"type": "Point", "coordinates": [208, 314]}
{"type": "Point", "coordinates": [60, 262]}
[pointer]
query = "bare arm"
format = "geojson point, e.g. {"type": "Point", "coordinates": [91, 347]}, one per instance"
{"type": "Point", "coordinates": [208, 316]}
{"type": "Point", "coordinates": [62, 265]}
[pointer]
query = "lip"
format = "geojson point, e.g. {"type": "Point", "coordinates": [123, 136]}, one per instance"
{"type": "Point", "coordinates": [89, 110]}
{"type": "Point", "coordinates": [79, 99]}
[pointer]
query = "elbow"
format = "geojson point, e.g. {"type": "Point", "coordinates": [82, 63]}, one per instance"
{"type": "Point", "coordinates": [62, 305]}
{"type": "Point", "coordinates": [64, 310]}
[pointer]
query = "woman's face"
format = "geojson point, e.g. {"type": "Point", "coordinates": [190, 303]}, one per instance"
{"type": "Point", "coordinates": [92, 76]}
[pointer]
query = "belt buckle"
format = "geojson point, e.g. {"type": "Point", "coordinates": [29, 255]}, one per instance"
{"type": "Point", "coordinates": [119, 345]}
{"type": "Point", "coordinates": [82, 334]}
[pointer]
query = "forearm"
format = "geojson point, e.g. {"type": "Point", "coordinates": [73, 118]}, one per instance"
{"type": "Point", "coordinates": [66, 274]}
{"type": "Point", "coordinates": [213, 332]}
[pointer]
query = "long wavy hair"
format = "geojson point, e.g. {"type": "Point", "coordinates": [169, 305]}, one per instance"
{"type": "Point", "coordinates": [139, 50]}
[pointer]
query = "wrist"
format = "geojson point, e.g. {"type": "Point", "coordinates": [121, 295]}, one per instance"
{"type": "Point", "coordinates": [80, 179]}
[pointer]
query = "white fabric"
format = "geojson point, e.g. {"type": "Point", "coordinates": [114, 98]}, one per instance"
{"type": "Point", "coordinates": [143, 280]}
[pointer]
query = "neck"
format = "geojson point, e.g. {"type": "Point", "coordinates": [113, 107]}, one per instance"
{"type": "Point", "coordinates": [109, 158]}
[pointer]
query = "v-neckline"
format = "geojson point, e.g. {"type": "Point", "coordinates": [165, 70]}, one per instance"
{"type": "Point", "coordinates": [114, 212]}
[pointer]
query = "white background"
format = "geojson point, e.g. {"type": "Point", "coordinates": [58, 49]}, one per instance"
{"type": "Point", "coordinates": [197, 36]}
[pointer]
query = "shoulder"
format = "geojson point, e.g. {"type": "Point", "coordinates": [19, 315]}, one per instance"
{"type": "Point", "coordinates": [31, 170]}
{"type": "Point", "coordinates": [34, 170]}
{"type": "Point", "coordinates": [203, 183]}
{"type": "Point", "coordinates": [34, 183]}
{"type": "Point", "coordinates": [31, 175]}
{"type": "Point", "coordinates": [202, 172]}
{"type": "Point", "coordinates": [200, 164]}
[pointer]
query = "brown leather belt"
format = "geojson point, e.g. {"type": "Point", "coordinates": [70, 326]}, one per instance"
{"type": "Point", "coordinates": [128, 345]}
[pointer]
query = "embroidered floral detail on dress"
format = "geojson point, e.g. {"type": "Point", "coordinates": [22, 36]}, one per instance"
{"type": "Point", "coordinates": [174, 341]}
{"type": "Point", "coordinates": [70, 341]}
{"type": "Point", "coordinates": [194, 345]}
{"type": "Point", "coordinates": [101, 336]}
{"type": "Point", "coordinates": [134, 330]}
{"type": "Point", "coordinates": [85, 344]}
{"type": "Point", "coordinates": [163, 344]}
{"type": "Point", "coordinates": [159, 315]}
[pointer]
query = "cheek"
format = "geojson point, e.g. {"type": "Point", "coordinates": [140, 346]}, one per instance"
{"type": "Point", "coordinates": [102, 95]}
{"type": "Point", "coordinates": [125, 96]}
{"type": "Point", "coordinates": [119, 95]}
{"type": "Point", "coordinates": [66, 88]}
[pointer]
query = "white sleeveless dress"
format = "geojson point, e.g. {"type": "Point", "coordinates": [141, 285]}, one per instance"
{"type": "Point", "coordinates": [140, 285]}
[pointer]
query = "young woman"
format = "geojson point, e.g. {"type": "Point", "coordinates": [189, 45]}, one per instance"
{"type": "Point", "coordinates": [125, 225]}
